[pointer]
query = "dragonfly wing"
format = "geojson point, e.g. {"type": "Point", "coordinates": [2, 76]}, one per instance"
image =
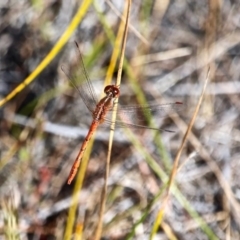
{"type": "Point", "coordinates": [80, 80]}
{"type": "Point", "coordinates": [162, 109]}
{"type": "Point", "coordinates": [121, 124]}
{"type": "Point", "coordinates": [83, 71]}
{"type": "Point", "coordinates": [141, 115]}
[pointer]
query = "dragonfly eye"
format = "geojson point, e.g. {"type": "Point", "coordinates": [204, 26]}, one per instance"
{"type": "Point", "coordinates": [108, 89]}
{"type": "Point", "coordinates": [112, 89]}
{"type": "Point", "coordinates": [116, 92]}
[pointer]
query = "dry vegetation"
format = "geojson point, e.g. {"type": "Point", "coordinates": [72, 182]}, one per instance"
{"type": "Point", "coordinates": [170, 46]}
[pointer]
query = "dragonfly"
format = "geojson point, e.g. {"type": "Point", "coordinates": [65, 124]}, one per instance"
{"type": "Point", "coordinates": [100, 110]}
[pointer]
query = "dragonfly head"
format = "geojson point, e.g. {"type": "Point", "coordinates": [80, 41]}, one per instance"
{"type": "Point", "coordinates": [113, 90]}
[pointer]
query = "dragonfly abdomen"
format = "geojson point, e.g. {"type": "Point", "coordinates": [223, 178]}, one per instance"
{"type": "Point", "coordinates": [77, 162]}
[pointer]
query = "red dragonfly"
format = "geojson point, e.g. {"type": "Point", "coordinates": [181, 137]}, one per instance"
{"type": "Point", "coordinates": [101, 109]}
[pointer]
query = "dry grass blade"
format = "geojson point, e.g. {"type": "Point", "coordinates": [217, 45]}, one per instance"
{"type": "Point", "coordinates": [122, 31]}
{"type": "Point", "coordinates": [176, 163]}
{"type": "Point", "coordinates": [132, 28]}
{"type": "Point", "coordinates": [9, 214]}
{"type": "Point", "coordinates": [52, 54]}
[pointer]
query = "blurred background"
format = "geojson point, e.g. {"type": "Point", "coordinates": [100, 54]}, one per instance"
{"type": "Point", "coordinates": [170, 46]}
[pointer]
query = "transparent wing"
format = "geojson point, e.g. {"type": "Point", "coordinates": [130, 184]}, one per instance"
{"type": "Point", "coordinates": [80, 80]}
{"type": "Point", "coordinates": [121, 124]}
{"type": "Point", "coordinates": [138, 117]}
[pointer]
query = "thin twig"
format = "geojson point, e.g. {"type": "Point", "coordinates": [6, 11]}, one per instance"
{"type": "Point", "coordinates": [104, 192]}
{"type": "Point", "coordinates": [176, 162]}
